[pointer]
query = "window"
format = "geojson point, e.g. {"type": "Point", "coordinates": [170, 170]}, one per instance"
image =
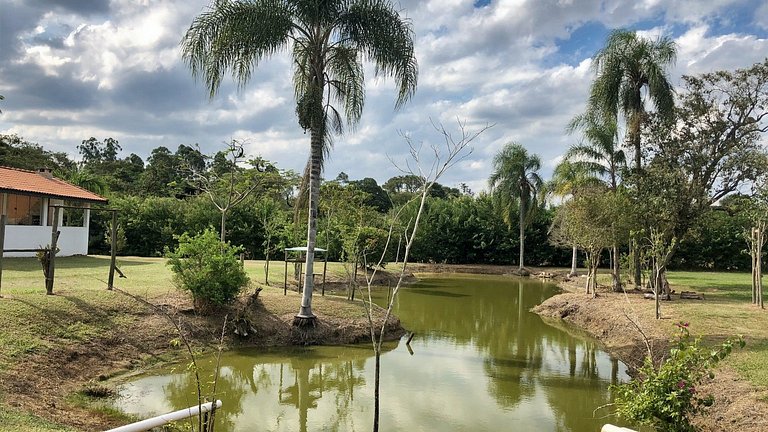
{"type": "Point", "coordinates": [24, 209]}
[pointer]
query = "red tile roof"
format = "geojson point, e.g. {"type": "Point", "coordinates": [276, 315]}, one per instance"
{"type": "Point", "coordinates": [30, 182]}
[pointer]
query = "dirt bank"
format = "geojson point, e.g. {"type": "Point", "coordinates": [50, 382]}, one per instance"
{"type": "Point", "coordinates": [739, 406]}
{"type": "Point", "coordinates": [44, 383]}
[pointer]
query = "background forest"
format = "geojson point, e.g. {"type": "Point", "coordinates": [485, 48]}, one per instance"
{"type": "Point", "coordinates": [173, 192]}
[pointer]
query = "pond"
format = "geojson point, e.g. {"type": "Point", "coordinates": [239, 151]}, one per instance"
{"type": "Point", "coordinates": [480, 361]}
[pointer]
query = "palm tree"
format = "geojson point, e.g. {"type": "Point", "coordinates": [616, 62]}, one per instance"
{"type": "Point", "coordinates": [567, 179]}
{"type": "Point", "coordinates": [328, 40]}
{"type": "Point", "coordinates": [515, 180]}
{"type": "Point", "coordinates": [599, 155]}
{"type": "Point", "coordinates": [627, 65]}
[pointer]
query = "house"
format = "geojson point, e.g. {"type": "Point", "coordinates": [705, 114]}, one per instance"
{"type": "Point", "coordinates": [27, 198]}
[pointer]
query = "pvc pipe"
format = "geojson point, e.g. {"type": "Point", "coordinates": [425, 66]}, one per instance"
{"type": "Point", "coordinates": [160, 420]}
{"type": "Point", "coordinates": [612, 428]}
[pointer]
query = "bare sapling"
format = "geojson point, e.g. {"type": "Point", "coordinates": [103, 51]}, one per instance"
{"type": "Point", "coordinates": [232, 184]}
{"type": "Point", "coordinates": [201, 422]}
{"type": "Point", "coordinates": [442, 157]}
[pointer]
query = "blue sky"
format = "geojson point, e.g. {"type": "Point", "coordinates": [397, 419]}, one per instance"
{"type": "Point", "coordinates": [74, 69]}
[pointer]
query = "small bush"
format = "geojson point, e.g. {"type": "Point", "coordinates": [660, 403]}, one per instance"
{"type": "Point", "coordinates": [207, 268]}
{"type": "Point", "coordinates": [665, 396]}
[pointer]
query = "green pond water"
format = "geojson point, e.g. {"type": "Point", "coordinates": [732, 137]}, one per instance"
{"type": "Point", "coordinates": [480, 362]}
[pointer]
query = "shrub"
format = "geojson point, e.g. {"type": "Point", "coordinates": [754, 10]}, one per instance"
{"type": "Point", "coordinates": [665, 396]}
{"type": "Point", "coordinates": [207, 268]}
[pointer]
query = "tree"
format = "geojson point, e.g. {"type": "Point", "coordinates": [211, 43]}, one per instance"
{"type": "Point", "coordinates": [515, 181]}
{"type": "Point", "coordinates": [567, 179]}
{"type": "Point", "coordinates": [591, 221]}
{"type": "Point", "coordinates": [598, 154]}
{"type": "Point", "coordinates": [626, 66]}
{"type": "Point", "coordinates": [377, 197]}
{"type": "Point", "coordinates": [159, 177]}
{"type": "Point", "coordinates": [229, 184]}
{"type": "Point", "coordinates": [328, 41]}
{"type": "Point", "coordinates": [712, 149]}
{"type": "Point", "coordinates": [456, 149]}
{"type": "Point", "coordinates": [17, 152]}
{"type": "Point", "coordinates": [208, 268]}
{"type": "Point", "coordinates": [272, 220]}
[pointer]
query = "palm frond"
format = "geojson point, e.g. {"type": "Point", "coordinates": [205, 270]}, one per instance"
{"type": "Point", "coordinates": [385, 38]}
{"type": "Point", "coordinates": [232, 37]}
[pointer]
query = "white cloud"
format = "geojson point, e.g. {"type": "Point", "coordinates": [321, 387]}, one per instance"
{"type": "Point", "coordinates": [117, 72]}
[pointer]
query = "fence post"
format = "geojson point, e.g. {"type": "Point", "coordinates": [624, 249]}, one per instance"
{"type": "Point", "coordinates": [113, 251]}
{"type": "Point", "coordinates": [2, 246]}
{"type": "Point", "coordinates": [51, 261]}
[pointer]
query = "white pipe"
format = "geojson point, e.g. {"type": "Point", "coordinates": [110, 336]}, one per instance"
{"type": "Point", "coordinates": [612, 428]}
{"type": "Point", "coordinates": [160, 420]}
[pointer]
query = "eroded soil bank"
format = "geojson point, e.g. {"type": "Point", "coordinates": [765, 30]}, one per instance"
{"type": "Point", "coordinates": [739, 405]}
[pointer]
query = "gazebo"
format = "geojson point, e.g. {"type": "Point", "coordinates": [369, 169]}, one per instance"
{"type": "Point", "coordinates": [297, 255]}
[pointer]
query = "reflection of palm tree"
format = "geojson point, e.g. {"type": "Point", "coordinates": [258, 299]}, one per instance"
{"type": "Point", "coordinates": [312, 377]}
{"type": "Point", "coordinates": [301, 394]}
{"type": "Point", "coordinates": [181, 392]}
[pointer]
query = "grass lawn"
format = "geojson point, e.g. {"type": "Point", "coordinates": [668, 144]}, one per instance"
{"type": "Point", "coordinates": [726, 311]}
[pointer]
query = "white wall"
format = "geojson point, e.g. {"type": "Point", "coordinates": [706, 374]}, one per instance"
{"type": "Point", "coordinates": [72, 240]}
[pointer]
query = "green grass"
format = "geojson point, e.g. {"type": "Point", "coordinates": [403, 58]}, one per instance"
{"type": "Point", "coordinates": [12, 420]}
{"type": "Point", "coordinates": [723, 286]}
{"type": "Point", "coordinates": [726, 311]}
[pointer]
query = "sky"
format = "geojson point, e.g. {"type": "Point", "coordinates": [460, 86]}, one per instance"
{"type": "Point", "coordinates": [73, 69]}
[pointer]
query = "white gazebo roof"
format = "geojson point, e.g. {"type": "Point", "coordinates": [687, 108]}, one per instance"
{"type": "Point", "coordinates": [304, 249]}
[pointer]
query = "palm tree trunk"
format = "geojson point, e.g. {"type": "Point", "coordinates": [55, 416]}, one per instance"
{"type": "Point", "coordinates": [316, 154]}
{"type": "Point", "coordinates": [522, 232]}
{"type": "Point", "coordinates": [223, 234]}
{"type": "Point", "coordinates": [574, 261]}
{"type": "Point", "coordinates": [616, 270]}
{"type": "Point", "coordinates": [376, 391]}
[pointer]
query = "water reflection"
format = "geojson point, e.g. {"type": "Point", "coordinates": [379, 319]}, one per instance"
{"type": "Point", "coordinates": [481, 362]}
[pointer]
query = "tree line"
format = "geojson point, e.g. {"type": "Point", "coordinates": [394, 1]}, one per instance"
{"type": "Point", "coordinates": [164, 197]}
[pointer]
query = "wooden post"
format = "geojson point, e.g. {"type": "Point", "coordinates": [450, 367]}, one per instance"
{"type": "Point", "coordinates": [113, 251]}
{"type": "Point", "coordinates": [285, 282]}
{"type": "Point", "coordinates": [325, 267]}
{"type": "Point", "coordinates": [301, 266]}
{"type": "Point", "coordinates": [760, 237]}
{"type": "Point", "coordinates": [752, 252]}
{"type": "Point", "coordinates": [2, 246]}
{"type": "Point", "coordinates": [52, 261]}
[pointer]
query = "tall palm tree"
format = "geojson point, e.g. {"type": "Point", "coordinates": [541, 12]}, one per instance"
{"type": "Point", "coordinates": [625, 67]}
{"type": "Point", "coordinates": [328, 41]}
{"type": "Point", "coordinates": [599, 155]}
{"type": "Point", "coordinates": [567, 179]}
{"type": "Point", "coordinates": [515, 180]}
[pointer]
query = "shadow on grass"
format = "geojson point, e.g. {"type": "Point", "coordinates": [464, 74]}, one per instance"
{"type": "Point", "coordinates": [103, 321]}
{"type": "Point", "coordinates": [72, 262]}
